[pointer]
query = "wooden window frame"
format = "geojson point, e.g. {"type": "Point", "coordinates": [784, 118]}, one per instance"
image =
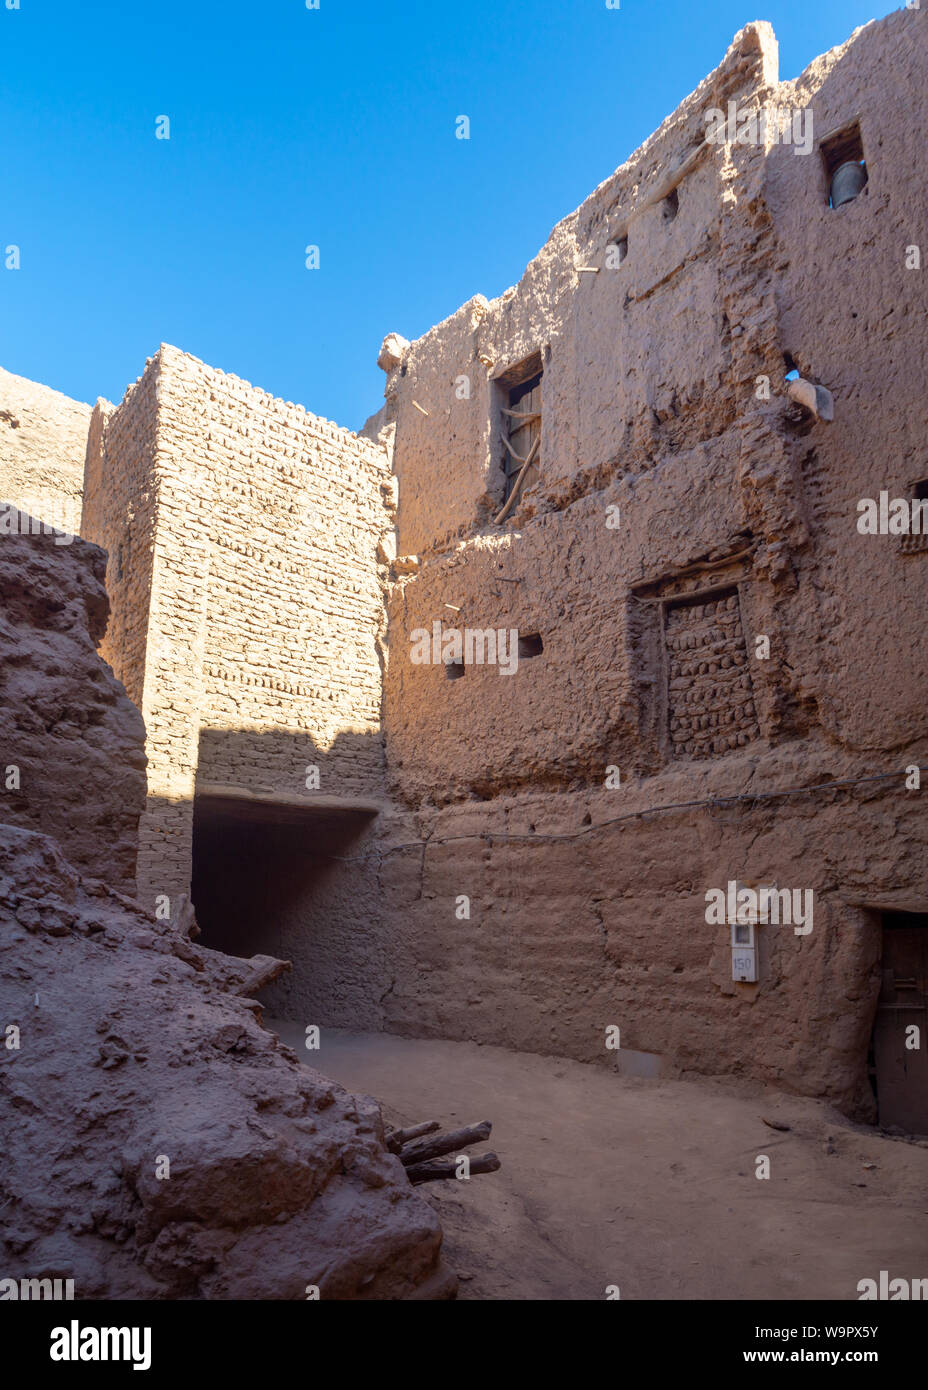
{"type": "Point", "coordinates": [520, 427]}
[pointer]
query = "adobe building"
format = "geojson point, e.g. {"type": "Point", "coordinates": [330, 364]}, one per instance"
{"type": "Point", "coordinates": [717, 677]}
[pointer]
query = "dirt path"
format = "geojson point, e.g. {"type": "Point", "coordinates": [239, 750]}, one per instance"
{"type": "Point", "coordinates": [649, 1185]}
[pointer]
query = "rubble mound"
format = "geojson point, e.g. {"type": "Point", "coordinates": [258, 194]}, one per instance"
{"type": "Point", "coordinates": [159, 1142]}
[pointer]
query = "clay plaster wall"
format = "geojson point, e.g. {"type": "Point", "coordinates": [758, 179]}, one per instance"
{"type": "Point", "coordinates": [854, 317]}
{"type": "Point", "coordinates": [650, 404]}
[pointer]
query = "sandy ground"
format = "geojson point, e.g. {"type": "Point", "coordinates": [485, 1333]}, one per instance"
{"type": "Point", "coordinates": [648, 1185]}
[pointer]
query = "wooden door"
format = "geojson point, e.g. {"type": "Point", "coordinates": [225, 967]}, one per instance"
{"type": "Point", "coordinates": [902, 1068]}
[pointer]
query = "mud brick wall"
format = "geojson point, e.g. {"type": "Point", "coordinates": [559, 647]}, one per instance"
{"type": "Point", "coordinates": [291, 661]}
{"type": "Point", "coordinates": [587, 902]}
{"type": "Point", "coordinates": [43, 439]}
{"type": "Point", "coordinates": [711, 705]}
{"type": "Point", "coordinates": [119, 515]}
{"type": "Point", "coordinates": [259, 591]}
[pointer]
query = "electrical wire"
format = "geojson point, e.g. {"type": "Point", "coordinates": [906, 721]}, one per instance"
{"type": "Point", "coordinates": [492, 836]}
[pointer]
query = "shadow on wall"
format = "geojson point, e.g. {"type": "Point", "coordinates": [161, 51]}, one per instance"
{"type": "Point", "coordinates": [285, 869]}
{"type": "Point", "coordinates": [285, 764]}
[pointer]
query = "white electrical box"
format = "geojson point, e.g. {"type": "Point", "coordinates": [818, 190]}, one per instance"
{"type": "Point", "coordinates": [744, 963]}
{"type": "Point", "coordinates": [744, 944]}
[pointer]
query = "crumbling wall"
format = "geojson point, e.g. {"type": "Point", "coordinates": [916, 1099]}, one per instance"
{"type": "Point", "coordinates": [635, 356]}
{"type": "Point", "coordinates": [43, 439]}
{"type": "Point", "coordinates": [683, 515]}
{"type": "Point", "coordinates": [293, 510]}
{"type": "Point", "coordinates": [853, 313]}
{"type": "Point", "coordinates": [646, 393]}
{"type": "Point", "coordinates": [72, 761]}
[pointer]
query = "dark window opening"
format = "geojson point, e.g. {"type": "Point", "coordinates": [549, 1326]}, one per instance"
{"type": "Point", "coordinates": [845, 165]}
{"type": "Point", "coordinates": [670, 206]}
{"type": "Point", "coordinates": [454, 670]}
{"type": "Point", "coordinates": [530, 645]}
{"type": "Point", "coordinates": [621, 245]}
{"type": "Point", "coordinates": [521, 414]}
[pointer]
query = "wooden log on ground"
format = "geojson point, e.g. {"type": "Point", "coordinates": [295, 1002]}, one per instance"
{"type": "Point", "coordinates": [398, 1137]}
{"type": "Point", "coordinates": [448, 1168]}
{"type": "Point", "coordinates": [446, 1143]}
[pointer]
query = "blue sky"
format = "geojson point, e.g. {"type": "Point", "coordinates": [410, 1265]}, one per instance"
{"type": "Point", "coordinates": [333, 127]}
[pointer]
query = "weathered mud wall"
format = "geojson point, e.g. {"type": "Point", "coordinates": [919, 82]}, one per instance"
{"type": "Point", "coordinates": [43, 439]}
{"type": "Point", "coordinates": [72, 760]}
{"type": "Point", "coordinates": [853, 314]}
{"type": "Point", "coordinates": [243, 538]}
{"type": "Point", "coordinates": [679, 514]}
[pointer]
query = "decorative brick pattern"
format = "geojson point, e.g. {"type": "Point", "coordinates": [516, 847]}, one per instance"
{"type": "Point", "coordinates": [710, 698]}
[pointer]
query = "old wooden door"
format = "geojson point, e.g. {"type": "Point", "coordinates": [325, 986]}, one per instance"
{"type": "Point", "coordinates": [900, 1034]}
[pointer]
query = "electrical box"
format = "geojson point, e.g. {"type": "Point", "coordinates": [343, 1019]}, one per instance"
{"type": "Point", "coordinates": [744, 963]}
{"type": "Point", "coordinates": [744, 947]}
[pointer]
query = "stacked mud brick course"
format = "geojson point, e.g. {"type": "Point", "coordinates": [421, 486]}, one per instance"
{"type": "Point", "coordinates": [242, 535]}
{"type": "Point", "coordinates": [711, 706]}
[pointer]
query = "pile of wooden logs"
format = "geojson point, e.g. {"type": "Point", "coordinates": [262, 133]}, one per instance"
{"type": "Point", "coordinates": [425, 1159]}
